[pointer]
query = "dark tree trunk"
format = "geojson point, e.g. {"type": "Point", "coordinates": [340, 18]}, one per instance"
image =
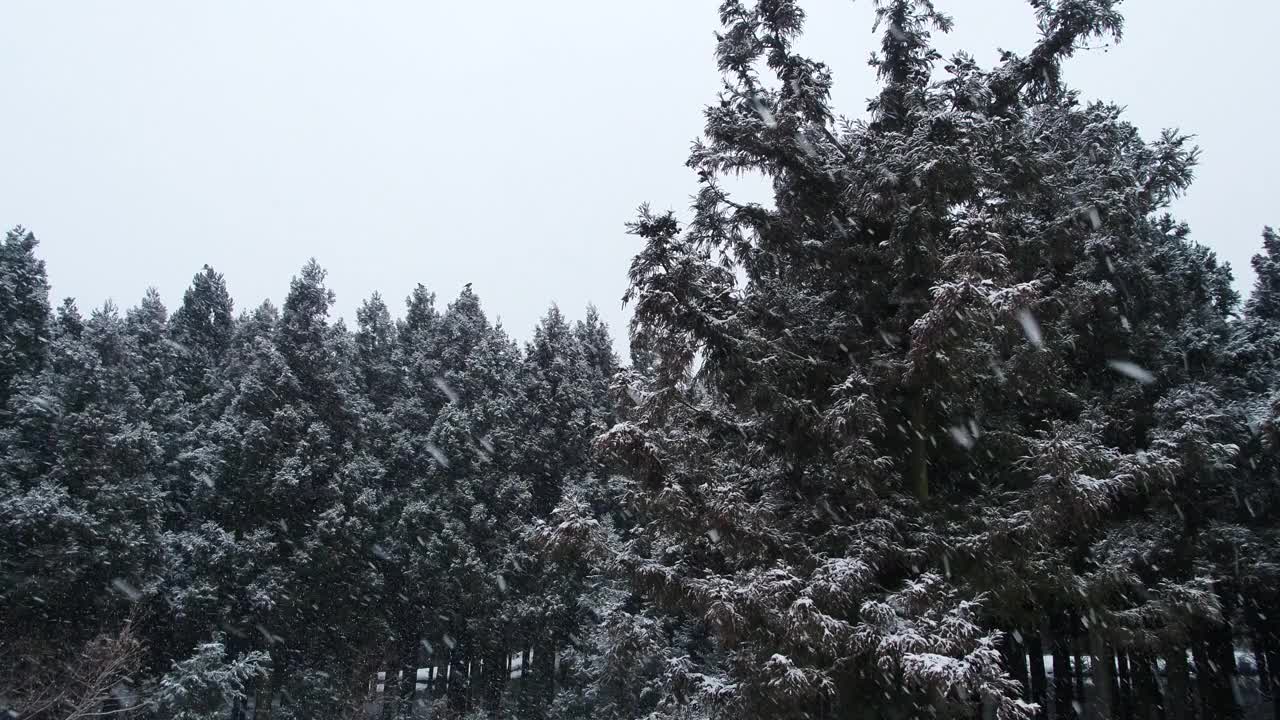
{"type": "Point", "coordinates": [389, 685]}
{"type": "Point", "coordinates": [1147, 703]}
{"type": "Point", "coordinates": [1124, 687]}
{"type": "Point", "coordinates": [475, 681]}
{"type": "Point", "coordinates": [1015, 659]}
{"type": "Point", "coordinates": [919, 448]}
{"type": "Point", "coordinates": [1177, 699]}
{"type": "Point", "coordinates": [495, 667]}
{"type": "Point", "coordinates": [1205, 681]}
{"type": "Point", "coordinates": [1273, 675]}
{"type": "Point", "coordinates": [1077, 644]}
{"type": "Point", "coordinates": [525, 689]}
{"type": "Point", "coordinates": [544, 675]}
{"type": "Point", "coordinates": [364, 678]}
{"type": "Point", "coordinates": [1215, 663]}
{"type": "Point", "coordinates": [277, 698]}
{"type": "Point", "coordinates": [1039, 683]}
{"type": "Point", "coordinates": [1221, 651]}
{"type": "Point", "coordinates": [1102, 706]}
{"type": "Point", "coordinates": [1222, 655]}
{"type": "Point", "coordinates": [408, 676]}
{"type": "Point", "coordinates": [458, 699]}
{"type": "Point", "coordinates": [1062, 673]}
{"type": "Point", "coordinates": [268, 688]}
{"type": "Point", "coordinates": [1264, 675]}
{"type": "Point", "coordinates": [262, 701]}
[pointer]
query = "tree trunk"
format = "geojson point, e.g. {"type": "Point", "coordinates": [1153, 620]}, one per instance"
{"type": "Point", "coordinates": [361, 687]}
{"type": "Point", "coordinates": [1062, 672]}
{"type": "Point", "coordinates": [1079, 669]}
{"type": "Point", "coordinates": [1222, 653]}
{"type": "Point", "coordinates": [1215, 673]}
{"type": "Point", "coordinates": [525, 690]}
{"type": "Point", "coordinates": [1039, 684]}
{"type": "Point", "coordinates": [262, 703]}
{"type": "Point", "coordinates": [495, 680]}
{"type": "Point", "coordinates": [474, 682]}
{"type": "Point", "coordinates": [389, 684]}
{"type": "Point", "coordinates": [1176, 700]}
{"type": "Point", "coordinates": [408, 675]}
{"type": "Point", "coordinates": [919, 447]}
{"type": "Point", "coordinates": [544, 675]}
{"type": "Point", "coordinates": [1102, 706]}
{"type": "Point", "coordinates": [1147, 704]}
{"type": "Point", "coordinates": [1124, 687]}
{"type": "Point", "coordinates": [458, 699]}
{"type": "Point", "coordinates": [1015, 659]}
{"type": "Point", "coordinates": [1205, 682]}
{"type": "Point", "coordinates": [1273, 675]}
{"type": "Point", "coordinates": [1264, 675]}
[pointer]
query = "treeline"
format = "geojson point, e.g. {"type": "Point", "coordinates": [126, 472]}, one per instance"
{"type": "Point", "coordinates": [275, 510]}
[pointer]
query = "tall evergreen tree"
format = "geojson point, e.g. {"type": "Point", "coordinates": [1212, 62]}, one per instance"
{"type": "Point", "coordinates": [596, 345]}
{"type": "Point", "coordinates": [845, 467]}
{"type": "Point", "coordinates": [1247, 539]}
{"type": "Point", "coordinates": [84, 504]}
{"type": "Point", "coordinates": [24, 311]}
{"type": "Point", "coordinates": [202, 328]}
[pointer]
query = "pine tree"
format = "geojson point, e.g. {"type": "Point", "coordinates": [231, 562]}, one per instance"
{"type": "Point", "coordinates": [596, 346]}
{"type": "Point", "coordinates": [24, 311]}
{"type": "Point", "coordinates": [556, 386]}
{"type": "Point", "coordinates": [845, 466]}
{"type": "Point", "coordinates": [378, 376]}
{"type": "Point", "coordinates": [1247, 538]}
{"type": "Point", "coordinates": [1254, 345]}
{"type": "Point", "coordinates": [82, 514]}
{"type": "Point", "coordinates": [271, 477]}
{"type": "Point", "coordinates": [410, 580]}
{"type": "Point", "coordinates": [202, 328]}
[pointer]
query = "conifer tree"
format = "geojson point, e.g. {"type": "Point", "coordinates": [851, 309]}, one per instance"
{"type": "Point", "coordinates": [1247, 539]}
{"type": "Point", "coordinates": [24, 311]}
{"type": "Point", "coordinates": [84, 504]}
{"type": "Point", "coordinates": [202, 328]}
{"type": "Point", "coordinates": [845, 465]}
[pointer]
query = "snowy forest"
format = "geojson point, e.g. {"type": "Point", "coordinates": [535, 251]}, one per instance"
{"type": "Point", "coordinates": [961, 423]}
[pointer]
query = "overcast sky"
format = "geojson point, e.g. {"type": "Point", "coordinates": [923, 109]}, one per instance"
{"type": "Point", "coordinates": [502, 143]}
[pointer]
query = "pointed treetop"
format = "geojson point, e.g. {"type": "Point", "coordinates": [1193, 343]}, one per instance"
{"type": "Point", "coordinates": [373, 312]}
{"type": "Point", "coordinates": [1264, 302]}
{"type": "Point", "coordinates": [258, 322]}
{"type": "Point", "coordinates": [303, 320]}
{"type": "Point", "coordinates": [906, 55]}
{"type": "Point", "coordinates": [462, 327]}
{"type": "Point", "coordinates": [206, 319]}
{"type": "Point", "coordinates": [420, 311]}
{"type": "Point", "coordinates": [24, 309]}
{"type": "Point", "coordinates": [69, 320]}
{"type": "Point", "coordinates": [593, 336]}
{"type": "Point", "coordinates": [149, 318]}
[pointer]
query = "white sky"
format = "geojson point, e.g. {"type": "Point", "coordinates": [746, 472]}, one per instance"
{"type": "Point", "coordinates": [502, 143]}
